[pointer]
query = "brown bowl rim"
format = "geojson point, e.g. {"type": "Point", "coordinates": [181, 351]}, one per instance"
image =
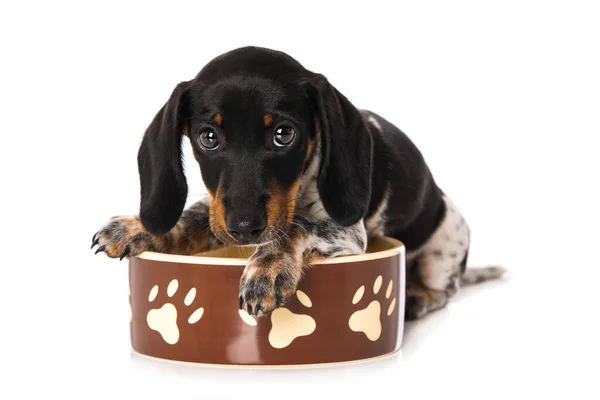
{"type": "Point", "coordinates": [394, 247]}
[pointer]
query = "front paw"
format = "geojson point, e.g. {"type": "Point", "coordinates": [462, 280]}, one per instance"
{"type": "Point", "coordinates": [122, 237]}
{"type": "Point", "coordinates": [263, 289]}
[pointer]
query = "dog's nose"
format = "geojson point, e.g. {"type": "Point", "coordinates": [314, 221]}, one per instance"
{"type": "Point", "coordinates": [245, 229]}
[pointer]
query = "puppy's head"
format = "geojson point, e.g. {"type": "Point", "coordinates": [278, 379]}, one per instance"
{"type": "Point", "coordinates": [254, 118]}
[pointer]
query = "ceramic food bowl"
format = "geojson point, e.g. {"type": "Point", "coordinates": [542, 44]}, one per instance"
{"type": "Point", "coordinates": [185, 308]}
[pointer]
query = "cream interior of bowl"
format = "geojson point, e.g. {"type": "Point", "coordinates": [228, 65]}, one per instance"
{"type": "Point", "coordinates": [380, 247]}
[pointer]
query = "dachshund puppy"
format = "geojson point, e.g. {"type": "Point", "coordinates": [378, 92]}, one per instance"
{"type": "Point", "coordinates": [294, 169]}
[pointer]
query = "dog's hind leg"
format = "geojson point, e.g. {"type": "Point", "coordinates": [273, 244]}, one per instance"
{"type": "Point", "coordinates": [420, 301]}
{"type": "Point", "coordinates": [432, 282]}
{"type": "Point", "coordinates": [440, 266]}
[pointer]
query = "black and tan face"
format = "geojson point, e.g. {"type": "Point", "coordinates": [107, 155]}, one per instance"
{"type": "Point", "coordinates": [251, 115]}
{"type": "Point", "coordinates": [252, 140]}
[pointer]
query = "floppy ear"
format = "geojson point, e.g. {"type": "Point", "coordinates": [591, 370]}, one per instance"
{"type": "Point", "coordinates": [344, 179]}
{"type": "Point", "coordinates": [162, 180]}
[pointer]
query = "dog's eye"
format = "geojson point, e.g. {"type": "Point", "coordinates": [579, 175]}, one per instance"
{"type": "Point", "coordinates": [284, 136]}
{"type": "Point", "coordinates": [209, 140]}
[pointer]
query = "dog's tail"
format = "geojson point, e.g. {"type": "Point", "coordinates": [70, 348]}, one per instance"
{"type": "Point", "coordinates": [473, 276]}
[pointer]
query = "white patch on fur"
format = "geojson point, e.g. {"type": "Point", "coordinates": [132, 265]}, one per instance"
{"type": "Point", "coordinates": [344, 243]}
{"type": "Point", "coordinates": [348, 240]}
{"type": "Point", "coordinates": [375, 224]}
{"type": "Point", "coordinates": [440, 257]}
{"type": "Point", "coordinates": [374, 122]}
{"type": "Point", "coordinates": [249, 271]}
{"type": "Point", "coordinates": [308, 200]}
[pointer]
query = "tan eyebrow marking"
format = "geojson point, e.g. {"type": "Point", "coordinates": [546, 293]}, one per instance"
{"type": "Point", "coordinates": [218, 119]}
{"type": "Point", "coordinates": [268, 120]}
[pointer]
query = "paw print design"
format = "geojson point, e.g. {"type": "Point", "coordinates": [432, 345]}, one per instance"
{"type": "Point", "coordinates": [368, 320]}
{"type": "Point", "coordinates": [286, 326]}
{"type": "Point", "coordinates": [164, 319]}
{"type": "Point", "coordinates": [247, 318]}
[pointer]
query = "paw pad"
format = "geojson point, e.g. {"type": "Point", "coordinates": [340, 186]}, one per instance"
{"type": "Point", "coordinates": [164, 319]}
{"type": "Point", "coordinates": [368, 320]}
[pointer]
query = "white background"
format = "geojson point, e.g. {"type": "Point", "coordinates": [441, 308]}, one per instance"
{"type": "Point", "coordinates": [503, 99]}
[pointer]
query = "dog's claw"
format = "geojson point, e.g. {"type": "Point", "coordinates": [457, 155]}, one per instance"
{"type": "Point", "coordinates": [101, 248]}
{"type": "Point", "coordinates": [125, 253]}
{"type": "Point", "coordinates": [95, 240]}
{"type": "Point", "coordinates": [241, 302]}
{"type": "Point", "coordinates": [249, 307]}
